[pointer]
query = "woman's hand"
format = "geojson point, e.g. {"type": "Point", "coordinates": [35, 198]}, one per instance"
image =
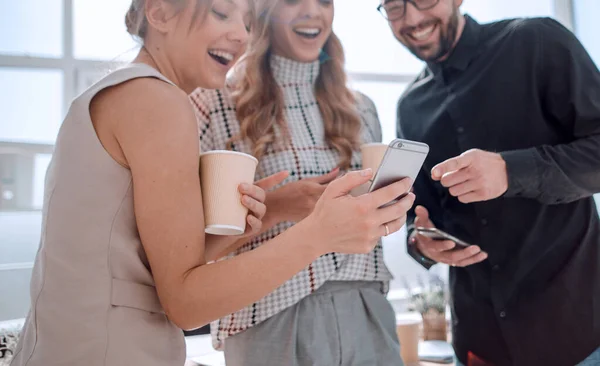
{"type": "Point", "coordinates": [295, 201]}
{"type": "Point", "coordinates": [253, 198]}
{"type": "Point", "coordinates": [346, 224]}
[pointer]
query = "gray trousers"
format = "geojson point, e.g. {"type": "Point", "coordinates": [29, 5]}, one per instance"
{"type": "Point", "coordinates": [342, 323]}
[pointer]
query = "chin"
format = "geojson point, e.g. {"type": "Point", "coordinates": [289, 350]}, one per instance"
{"type": "Point", "coordinates": [308, 57]}
{"type": "Point", "coordinates": [214, 82]}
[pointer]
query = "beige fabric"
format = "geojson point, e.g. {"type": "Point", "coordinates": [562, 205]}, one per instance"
{"type": "Point", "coordinates": [93, 300]}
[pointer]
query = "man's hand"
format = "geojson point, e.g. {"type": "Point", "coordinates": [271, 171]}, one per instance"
{"type": "Point", "coordinates": [443, 251]}
{"type": "Point", "coordinates": [474, 176]}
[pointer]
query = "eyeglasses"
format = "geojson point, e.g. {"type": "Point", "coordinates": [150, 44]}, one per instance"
{"type": "Point", "coordinates": [396, 9]}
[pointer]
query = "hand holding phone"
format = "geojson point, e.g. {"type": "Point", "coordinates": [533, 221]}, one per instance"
{"type": "Point", "coordinates": [446, 251]}
{"type": "Point", "coordinates": [402, 159]}
{"type": "Point", "coordinates": [437, 234]}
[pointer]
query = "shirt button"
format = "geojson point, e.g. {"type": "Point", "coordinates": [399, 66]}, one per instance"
{"type": "Point", "coordinates": [460, 130]}
{"type": "Point", "coordinates": [502, 314]}
{"type": "Point", "coordinates": [496, 267]}
{"type": "Point", "coordinates": [484, 222]}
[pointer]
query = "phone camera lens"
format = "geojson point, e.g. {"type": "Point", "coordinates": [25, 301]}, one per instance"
{"type": "Point", "coordinates": [400, 144]}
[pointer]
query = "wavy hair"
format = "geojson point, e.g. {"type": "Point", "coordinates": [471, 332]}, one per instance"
{"type": "Point", "coordinates": [259, 99]}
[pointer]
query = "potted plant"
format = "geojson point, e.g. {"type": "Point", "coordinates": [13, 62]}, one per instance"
{"type": "Point", "coordinates": [430, 299]}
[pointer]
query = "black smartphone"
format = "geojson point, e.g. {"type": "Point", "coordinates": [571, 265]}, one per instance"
{"type": "Point", "coordinates": [437, 234]}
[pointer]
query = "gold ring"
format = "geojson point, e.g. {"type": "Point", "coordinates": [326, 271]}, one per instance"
{"type": "Point", "coordinates": [387, 230]}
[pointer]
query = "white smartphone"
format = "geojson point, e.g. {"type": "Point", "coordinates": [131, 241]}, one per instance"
{"type": "Point", "coordinates": [437, 234]}
{"type": "Point", "coordinates": [402, 159]}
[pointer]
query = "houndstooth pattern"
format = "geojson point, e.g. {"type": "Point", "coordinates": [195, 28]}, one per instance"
{"type": "Point", "coordinates": [306, 156]}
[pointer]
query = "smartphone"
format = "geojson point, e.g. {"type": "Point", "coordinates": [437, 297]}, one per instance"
{"type": "Point", "coordinates": [437, 234]}
{"type": "Point", "coordinates": [402, 159]}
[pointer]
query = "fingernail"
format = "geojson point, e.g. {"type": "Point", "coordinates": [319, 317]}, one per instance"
{"type": "Point", "coordinates": [436, 173]}
{"type": "Point", "coordinates": [245, 186]}
{"type": "Point", "coordinates": [246, 199]}
{"type": "Point", "coordinates": [366, 172]}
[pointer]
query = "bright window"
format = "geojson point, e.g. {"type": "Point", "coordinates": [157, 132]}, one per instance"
{"type": "Point", "coordinates": [587, 26]}
{"type": "Point", "coordinates": [32, 102]}
{"type": "Point", "coordinates": [99, 30]}
{"type": "Point", "coordinates": [31, 27]}
{"type": "Point", "coordinates": [369, 44]}
{"type": "Point", "coordinates": [385, 96]}
{"type": "Point", "coordinates": [490, 10]}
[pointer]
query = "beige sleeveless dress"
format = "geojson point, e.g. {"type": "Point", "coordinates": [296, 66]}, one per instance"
{"type": "Point", "coordinates": [93, 300]}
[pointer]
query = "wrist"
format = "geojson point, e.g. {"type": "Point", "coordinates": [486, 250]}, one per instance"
{"type": "Point", "coordinates": [312, 237]}
{"type": "Point", "coordinates": [415, 252]}
{"type": "Point", "coordinates": [274, 215]}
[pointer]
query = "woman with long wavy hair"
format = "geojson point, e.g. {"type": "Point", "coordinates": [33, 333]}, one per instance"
{"type": "Point", "coordinates": [287, 103]}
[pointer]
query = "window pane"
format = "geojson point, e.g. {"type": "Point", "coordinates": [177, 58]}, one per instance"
{"type": "Point", "coordinates": [31, 27]}
{"type": "Point", "coordinates": [40, 167]}
{"type": "Point", "coordinates": [31, 101]}
{"type": "Point", "coordinates": [100, 32]}
{"type": "Point", "coordinates": [489, 10]}
{"type": "Point", "coordinates": [19, 236]}
{"type": "Point", "coordinates": [587, 25]}
{"type": "Point", "coordinates": [371, 47]}
{"type": "Point", "coordinates": [368, 41]}
{"type": "Point", "coordinates": [385, 96]}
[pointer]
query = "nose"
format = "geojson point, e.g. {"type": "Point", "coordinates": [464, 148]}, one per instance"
{"type": "Point", "coordinates": [310, 8]}
{"type": "Point", "coordinates": [239, 33]}
{"type": "Point", "coordinates": [413, 16]}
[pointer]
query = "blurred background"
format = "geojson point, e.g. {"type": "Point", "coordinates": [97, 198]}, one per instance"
{"type": "Point", "coordinates": [52, 50]}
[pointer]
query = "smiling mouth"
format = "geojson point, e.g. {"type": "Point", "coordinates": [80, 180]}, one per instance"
{"type": "Point", "coordinates": [222, 57]}
{"type": "Point", "coordinates": [308, 33]}
{"type": "Point", "coordinates": [422, 33]}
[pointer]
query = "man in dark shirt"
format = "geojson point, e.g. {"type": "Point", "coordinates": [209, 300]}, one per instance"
{"type": "Point", "coordinates": [511, 112]}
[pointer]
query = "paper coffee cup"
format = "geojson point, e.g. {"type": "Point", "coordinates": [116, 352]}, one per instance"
{"type": "Point", "coordinates": [372, 155]}
{"type": "Point", "coordinates": [221, 173]}
{"type": "Point", "coordinates": [408, 328]}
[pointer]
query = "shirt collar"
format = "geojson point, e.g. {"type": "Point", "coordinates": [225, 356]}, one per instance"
{"type": "Point", "coordinates": [288, 71]}
{"type": "Point", "coordinates": [465, 50]}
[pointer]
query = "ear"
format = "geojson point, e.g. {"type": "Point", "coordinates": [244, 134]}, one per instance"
{"type": "Point", "coordinates": [458, 3]}
{"type": "Point", "coordinates": [160, 15]}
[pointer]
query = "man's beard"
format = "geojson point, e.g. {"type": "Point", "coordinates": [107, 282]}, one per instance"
{"type": "Point", "coordinates": [446, 43]}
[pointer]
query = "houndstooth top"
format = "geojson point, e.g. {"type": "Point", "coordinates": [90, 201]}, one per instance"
{"type": "Point", "coordinates": [306, 156]}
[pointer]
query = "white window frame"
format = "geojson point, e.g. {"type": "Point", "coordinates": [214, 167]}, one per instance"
{"type": "Point", "coordinates": [74, 70]}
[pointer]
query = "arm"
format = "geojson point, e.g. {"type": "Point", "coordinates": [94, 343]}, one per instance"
{"type": "Point", "coordinates": [570, 91]}
{"type": "Point", "coordinates": [160, 144]}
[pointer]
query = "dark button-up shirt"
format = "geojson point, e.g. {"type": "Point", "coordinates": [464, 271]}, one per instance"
{"type": "Point", "coordinates": [527, 89]}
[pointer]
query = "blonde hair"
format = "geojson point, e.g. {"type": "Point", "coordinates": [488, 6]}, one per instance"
{"type": "Point", "coordinates": [259, 99]}
{"type": "Point", "coordinates": [137, 23]}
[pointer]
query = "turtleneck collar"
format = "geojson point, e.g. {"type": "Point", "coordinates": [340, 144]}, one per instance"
{"type": "Point", "coordinates": [288, 71]}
